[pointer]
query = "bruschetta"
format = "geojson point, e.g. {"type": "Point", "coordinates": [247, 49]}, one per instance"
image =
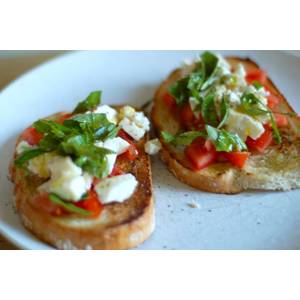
{"type": "Point", "coordinates": [83, 180]}
{"type": "Point", "coordinates": [225, 127]}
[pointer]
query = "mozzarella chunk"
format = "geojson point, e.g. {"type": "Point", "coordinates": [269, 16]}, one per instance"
{"type": "Point", "coordinates": [153, 146]}
{"type": "Point", "coordinates": [134, 123]}
{"type": "Point", "coordinates": [127, 112]}
{"type": "Point", "coordinates": [67, 179]}
{"type": "Point", "coordinates": [22, 147]}
{"type": "Point", "coordinates": [118, 145]}
{"type": "Point", "coordinates": [111, 114]}
{"type": "Point", "coordinates": [116, 189]}
{"type": "Point", "coordinates": [141, 120]}
{"type": "Point", "coordinates": [244, 125]}
{"type": "Point", "coordinates": [39, 165]}
{"type": "Point", "coordinates": [132, 129]}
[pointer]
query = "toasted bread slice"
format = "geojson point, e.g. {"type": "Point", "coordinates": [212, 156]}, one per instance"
{"type": "Point", "coordinates": [119, 226]}
{"type": "Point", "coordinates": [276, 169]}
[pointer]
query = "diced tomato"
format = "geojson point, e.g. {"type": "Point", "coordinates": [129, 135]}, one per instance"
{"type": "Point", "coordinates": [91, 204]}
{"type": "Point", "coordinates": [187, 116]}
{"type": "Point", "coordinates": [31, 136]}
{"type": "Point", "coordinates": [122, 134]}
{"type": "Point", "coordinates": [256, 75]}
{"type": "Point", "coordinates": [116, 171]}
{"type": "Point", "coordinates": [199, 155]}
{"type": "Point", "coordinates": [273, 101]}
{"type": "Point", "coordinates": [281, 120]}
{"type": "Point", "coordinates": [169, 100]}
{"type": "Point", "coordinates": [238, 159]}
{"type": "Point", "coordinates": [132, 152]}
{"type": "Point", "coordinates": [63, 117]}
{"type": "Point", "coordinates": [43, 203]}
{"type": "Point", "coordinates": [262, 143]}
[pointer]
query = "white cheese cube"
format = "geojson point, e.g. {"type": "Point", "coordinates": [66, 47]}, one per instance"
{"type": "Point", "coordinates": [22, 147]}
{"type": "Point", "coordinates": [70, 188]}
{"type": "Point", "coordinates": [132, 129]}
{"type": "Point", "coordinates": [141, 120]}
{"type": "Point", "coordinates": [153, 146]}
{"type": "Point", "coordinates": [67, 180]}
{"type": "Point", "coordinates": [39, 165]}
{"type": "Point", "coordinates": [63, 166]}
{"type": "Point", "coordinates": [117, 145]}
{"type": "Point", "coordinates": [116, 189]}
{"type": "Point", "coordinates": [127, 112]}
{"type": "Point", "coordinates": [244, 125]}
{"type": "Point", "coordinates": [111, 114]}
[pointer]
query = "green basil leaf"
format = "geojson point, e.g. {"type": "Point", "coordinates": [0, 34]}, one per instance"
{"type": "Point", "coordinates": [249, 104]}
{"type": "Point", "coordinates": [208, 110]}
{"type": "Point", "coordinates": [51, 127]}
{"type": "Point", "coordinates": [275, 129]}
{"type": "Point", "coordinates": [183, 139]}
{"type": "Point", "coordinates": [90, 103]}
{"type": "Point", "coordinates": [209, 67]}
{"type": "Point", "coordinates": [224, 109]}
{"type": "Point", "coordinates": [210, 62]}
{"type": "Point", "coordinates": [69, 206]}
{"type": "Point", "coordinates": [257, 85]}
{"type": "Point", "coordinates": [179, 91]}
{"type": "Point", "coordinates": [224, 140]}
{"type": "Point", "coordinates": [168, 137]}
{"type": "Point", "coordinates": [27, 155]}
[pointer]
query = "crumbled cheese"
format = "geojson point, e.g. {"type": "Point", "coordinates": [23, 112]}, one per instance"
{"type": "Point", "coordinates": [153, 146]}
{"type": "Point", "coordinates": [132, 129]}
{"type": "Point", "coordinates": [39, 165]}
{"type": "Point", "coordinates": [136, 124]}
{"type": "Point", "coordinates": [126, 112]}
{"type": "Point", "coordinates": [111, 114]}
{"type": "Point", "coordinates": [67, 179]}
{"type": "Point", "coordinates": [23, 146]}
{"type": "Point", "coordinates": [116, 189]}
{"type": "Point", "coordinates": [244, 125]}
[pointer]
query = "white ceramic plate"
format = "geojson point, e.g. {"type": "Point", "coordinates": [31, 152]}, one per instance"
{"type": "Point", "coordinates": [252, 220]}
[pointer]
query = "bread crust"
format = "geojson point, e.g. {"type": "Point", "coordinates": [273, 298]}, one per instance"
{"type": "Point", "coordinates": [119, 226]}
{"type": "Point", "coordinates": [262, 171]}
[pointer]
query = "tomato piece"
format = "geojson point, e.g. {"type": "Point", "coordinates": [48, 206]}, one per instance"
{"type": "Point", "coordinates": [63, 117]}
{"type": "Point", "coordinates": [281, 120]}
{"type": "Point", "coordinates": [169, 100]}
{"type": "Point", "coordinates": [187, 116]}
{"type": "Point", "coordinates": [238, 159]}
{"type": "Point", "coordinates": [262, 143]}
{"type": "Point", "coordinates": [256, 75]}
{"type": "Point", "coordinates": [122, 134]}
{"type": "Point", "coordinates": [132, 153]}
{"type": "Point", "coordinates": [199, 155]}
{"type": "Point", "coordinates": [116, 171]}
{"type": "Point", "coordinates": [43, 203]}
{"type": "Point", "coordinates": [273, 101]}
{"type": "Point", "coordinates": [91, 204]}
{"type": "Point", "coordinates": [31, 136]}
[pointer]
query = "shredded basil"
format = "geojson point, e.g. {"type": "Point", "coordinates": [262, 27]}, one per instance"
{"type": "Point", "coordinates": [69, 206]}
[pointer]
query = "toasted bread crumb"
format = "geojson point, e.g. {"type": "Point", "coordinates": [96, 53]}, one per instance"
{"type": "Point", "coordinates": [193, 204]}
